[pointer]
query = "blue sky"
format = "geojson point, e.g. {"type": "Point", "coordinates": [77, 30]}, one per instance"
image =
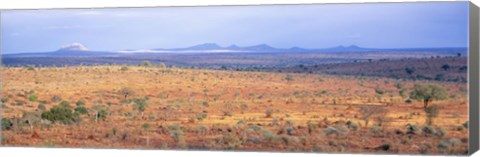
{"type": "Point", "coordinates": [383, 25]}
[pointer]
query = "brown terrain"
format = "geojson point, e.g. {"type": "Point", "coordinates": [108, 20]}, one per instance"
{"type": "Point", "coordinates": [157, 107]}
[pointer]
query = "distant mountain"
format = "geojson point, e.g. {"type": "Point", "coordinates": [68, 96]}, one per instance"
{"type": "Point", "coordinates": [70, 50]}
{"type": "Point", "coordinates": [74, 47]}
{"type": "Point", "coordinates": [80, 50]}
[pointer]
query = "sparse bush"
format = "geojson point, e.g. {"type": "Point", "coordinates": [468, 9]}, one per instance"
{"type": "Point", "coordinates": [124, 68]}
{"type": "Point", "coordinates": [140, 104]}
{"type": "Point", "coordinates": [41, 106]}
{"type": "Point", "coordinates": [201, 116]}
{"type": "Point", "coordinates": [146, 126]}
{"type": "Point", "coordinates": [7, 124]}
{"type": "Point", "coordinates": [31, 68]}
{"type": "Point", "coordinates": [56, 98]}
{"type": "Point", "coordinates": [65, 104]}
{"type": "Point", "coordinates": [145, 64]}
{"type": "Point", "coordinates": [352, 126]}
{"type": "Point", "coordinates": [412, 128]}
{"type": "Point", "coordinates": [126, 92]}
{"type": "Point", "coordinates": [177, 135]}
{"type": "Point", "coordinates": [268, 113]}
{"type": "Point", "coordinates": [428, 130]}
{"type": "Point", "coordinates": [289, 78]}
{"type": "Point", "coordinates": [80, 102]}
{"type": "Point", "coordinates": [376, 129]}
{"type": "Point", "coordinates": [81, 110]}
{"type": "Point", "coordinates": [102, 114]}
{"type": "Point", "coordinates": [33, 98]}
{"type": "Point", "coordinates": [441, 133]}
{"type": "Point", "coordinates": [268, 136]}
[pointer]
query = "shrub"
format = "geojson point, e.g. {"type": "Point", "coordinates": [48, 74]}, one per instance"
{"type": "Point", "coordinates": [408, 101]}
{"type": "Point", "coordinates": [428, 130]}
{"type": "Point", "coordinates": [65, 104]}
{"type": "Point", "coordinates": [289, 78]}
{"type": "Point", "coordinates": [201, 116]}
{"type": "Point", "coordinates": [7, 124]}
{"type": "Point", "coordinates": [441, 133]}
{"type": "Point", "coordinates": [126, 92]}
{"type": "Point", "coordinates": [31, 68]}
{"type": "Point", "coordinates": [376, 129]}
{"type": "Point", "coordinates": [145, 64]}
{"type": "Point", "coordinates": [56, 98]}
{"type": "Point", "coordinates": [145, 126]}
{"type": "Point", "coordinates": [33, 98]}
{"type": "Point", "coordinates": [412, 128]}
{"type": "Point", "coordinates": [268, 113]}
{"type": "Point", "coordinates": [102, 114]}
{"type": "Point", "coordinates": [268, 136]}
{"type": "Point", "coordinates": [352, 126]}
{"type": "Point", "coordinates": [60, 114]}
{"type": "Point", "coordinates": [124, 68]}
{"type": "Point", "coordinates": [139, 104]}
{"type": "Point", "coordinates": [41, 106]}
{"type": "Point", "coordinates": [81, 110]}
{"type": "Point", "coordinates": [80, 102]}
{"type": "Point", "coordinates": [177, 135]}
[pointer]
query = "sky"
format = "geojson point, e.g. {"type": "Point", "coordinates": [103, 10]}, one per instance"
{"type": "Point", "coordinates": [377, 25]}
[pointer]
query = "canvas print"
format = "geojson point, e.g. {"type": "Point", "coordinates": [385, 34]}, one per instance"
{"type": "Point", "coordinates": [385, 78]}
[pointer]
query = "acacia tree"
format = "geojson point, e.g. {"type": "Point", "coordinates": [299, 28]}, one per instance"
{"type": "Point", "coordinates": [367, 112]}
{"type": "Point", "coordinates": [427, 93]}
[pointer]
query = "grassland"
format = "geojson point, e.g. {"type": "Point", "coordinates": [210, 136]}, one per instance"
{"type": "Point", "coordinates": [228, 110]}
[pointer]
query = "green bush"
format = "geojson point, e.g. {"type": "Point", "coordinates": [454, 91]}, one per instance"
{"type": "Point", "coordinates": [33, 98]}
{"type": "Point", "coordinates": [60, 114]}
{"type": "Point", "coordinates": [102, 114]}
{"type": "Point", "coordinates": [7, 124]}
{"type": "Point", "coordinates": [80, 103]}
{"type": "Point", "coordinates": [41, 106]}
{"type": "Point", "coordinates": [65, 104]}
{"type": "Point", "coordinates": [81, 110]}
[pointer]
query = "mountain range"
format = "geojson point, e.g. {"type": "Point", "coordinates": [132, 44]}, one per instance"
{"type": "Point", "coordinates": [78, 49]}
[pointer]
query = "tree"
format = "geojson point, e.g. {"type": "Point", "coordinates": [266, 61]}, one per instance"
{"type": "Point", "coordinates": [125, 91]}
{"type": "Point", "coordinates": [427, 93]}
{"type": "Point", "coordinates": [409, 71]}
{"type": "Point", "coordinates": [446, 67]}
{"type": "Point", "coordinates": [370, 111]}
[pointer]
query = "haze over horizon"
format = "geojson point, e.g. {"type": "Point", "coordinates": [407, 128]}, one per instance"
{"type": "Point", "coordinates": [382, 25]}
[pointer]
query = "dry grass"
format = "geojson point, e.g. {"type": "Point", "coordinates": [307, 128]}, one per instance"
{"type": "Point", "coordinates": [179, 96]}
